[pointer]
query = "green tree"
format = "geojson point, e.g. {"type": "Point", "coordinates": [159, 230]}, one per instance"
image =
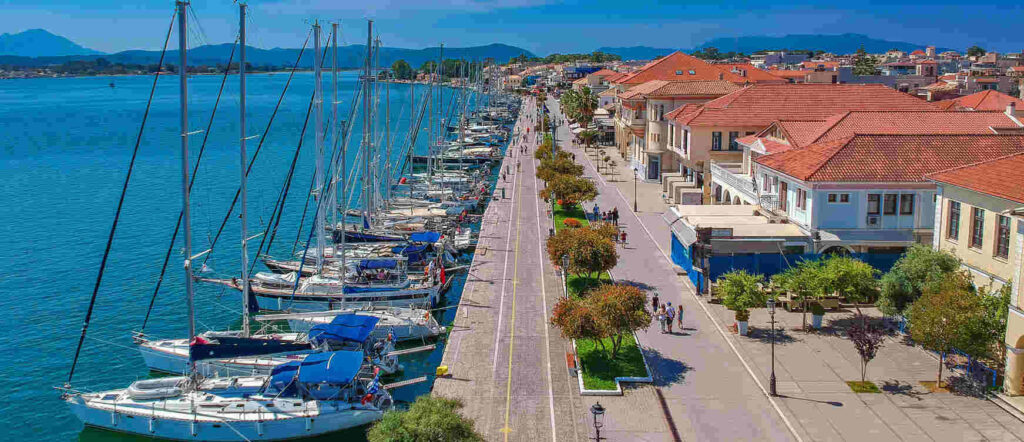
{"type": "Point", "coordinates": [588, 137]}
{"type": "Point", "coordinates": [803, 282]}
{"type": "Point", "coordinates": [570, 190]}
{"type": "Point", "coordinates": [590, 250]}
{"type": "Point", "coordinates": [402, 70]}
{"type": "Point", "coordinates": [864, 64]}
{"type": "Point", "coordinates": [904, 283]}
{"type": "Point", "coordinates": [976, 51]}
{"type": "Point", "coordinates": [549, 169]}
{"type": "Point", "coordinates": [941, 318]}
{"type": "Point", "coordinates": [575, 319]}
{"type": "Point", "coordinates": [620, 310]}
{"type": "Point", "coordinates": [429, 419]}
{"type": "Point", "coordinates": [851, 278]}
{"type": "Point", "coordinates": [986, 337]}
{"type": "Point", "coordinates": [741, 291]}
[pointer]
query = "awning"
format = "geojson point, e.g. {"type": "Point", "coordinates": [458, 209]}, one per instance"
{"type": "Point", "coordinates": [425, 237]}
{"type": "Point", "coordinates": [578, 130]}
{"type": "Point", "coordinates": [348, 327]}
{"type": "Point", "coordinates": [380, 263]}
{"type": "Point", "coordinates": [333, 367]}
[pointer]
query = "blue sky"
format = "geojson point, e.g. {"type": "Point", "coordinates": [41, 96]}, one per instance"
{"type": "Point", "coordinates": [541, 26]}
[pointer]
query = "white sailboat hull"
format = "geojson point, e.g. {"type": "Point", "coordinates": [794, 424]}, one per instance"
{"type": "Point", "coordinates": [188, 426]}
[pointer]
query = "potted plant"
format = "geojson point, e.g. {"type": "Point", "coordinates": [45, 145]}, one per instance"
{"type": "Point", "coordinates": [741, 291]}
{"type": "Point", "coordinates": [817, 313]}
{"type": "Point", "coordinates": [742, 322]}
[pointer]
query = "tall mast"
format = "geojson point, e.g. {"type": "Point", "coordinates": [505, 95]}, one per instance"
{"type": "Point", "coordinates": [244, 158]}
{"type": "Point", "coordinates": [186, 215]}
{"type": "Point", "coordinates": [367, 124]}
{"type": "Point", "coordinates": [319, 179]}
{"type": "Point", "coordinates": [340, 144]}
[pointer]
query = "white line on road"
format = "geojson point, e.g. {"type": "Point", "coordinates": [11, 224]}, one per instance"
{"type": "Point", "coordinates": [544, 298]}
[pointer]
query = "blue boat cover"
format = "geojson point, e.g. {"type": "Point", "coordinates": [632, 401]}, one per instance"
{"type": "Point", "coordinates": [348, 327]}
{"type": "Point", "coordinates": [333, 367]}
{"type": "Point", "coordinates": [379, 263]}
{"type": "Point", "coordinates": [425, 237]}
{"type": "Point", "coordinates": [281, 376]}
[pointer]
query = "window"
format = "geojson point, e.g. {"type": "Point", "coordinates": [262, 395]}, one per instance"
{"type": "Point", "coordinates": [839, 198]}
{"type": "Point", "coordinates": [716, 141]}
{"type": "Point", "coordinates": [953, 231]}
{"type": "Point", "coordinates": [1002, 236]}
{"type": "Point", "coordinates": [977, 227]}
{"type": "Point", "coordinates": [801, 199]}
{"type": "Point", "coordinates": [764, 185]}
{"type": "Point", "coordinates": [686, 139]}
{"type": "Point", "coordinates": [844, 197]}
{"type": "Point", "coordinates": [832, 197]}
{"type": "Point", "coordinates": [890, 205]}
{"type": "Point", "coordinates": [733, 145]}
{"type": "Point", "coordinates": [873, 203]}
{"type": "Point", "coordinates": [784, 196]}
{"type": "Point", "coordinates": [907, 204]}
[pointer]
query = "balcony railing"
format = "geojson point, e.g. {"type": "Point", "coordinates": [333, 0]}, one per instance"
{"type": "Point", "coordinates": [730, 174]}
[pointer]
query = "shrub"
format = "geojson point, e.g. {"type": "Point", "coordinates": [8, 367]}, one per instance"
{"type": "Point", "coordinates": [571, 223]}
{"type": "Point", "coordinates": [741, 291]}
{"type": "Point", "coordinates": [909, 277]}
{"type": "Point", "coordinates": [817, 309]}
{"type": "Point", "coordinates": [429, 419]}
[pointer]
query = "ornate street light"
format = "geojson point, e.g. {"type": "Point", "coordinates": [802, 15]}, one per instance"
{"type": "Point", "coordinates": [771, 381]}
{"type": "Point", "coordinates": [636, 171]}
{"type": "Point", "coordinates": [598, 411]}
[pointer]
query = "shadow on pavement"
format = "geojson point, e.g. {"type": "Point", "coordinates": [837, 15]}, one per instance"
{"type": "Point", "coordinates": [899, 388]}
{"type": "Point", "coordinates": [665, 371]}
{"type": "Point", "coordinates": [764, 336]}
{"type": "Point", "coordinates": [832, 403]}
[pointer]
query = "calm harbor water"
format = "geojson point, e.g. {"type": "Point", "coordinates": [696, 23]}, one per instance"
{"type": "Point", "coordinates": [64, 150]}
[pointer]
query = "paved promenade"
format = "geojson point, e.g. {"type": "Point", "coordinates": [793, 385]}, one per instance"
{"type": "Point", "coordinates": [507, 364]}
{"type": "Point", "coordinates": [811, 368]}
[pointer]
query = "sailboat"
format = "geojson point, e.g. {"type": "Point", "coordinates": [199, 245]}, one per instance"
{"type": "Point", "coordinates": [322, 393]}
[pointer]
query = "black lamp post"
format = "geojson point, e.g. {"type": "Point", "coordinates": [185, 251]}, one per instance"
{"type": "Point", "coordinates": [598, 411]}
{"type": "Point", "coordinates": [771, 381]}
{"type": "Point", "coordinates": [635, 195]}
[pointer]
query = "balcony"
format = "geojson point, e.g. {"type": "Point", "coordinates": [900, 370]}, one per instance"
{"type": "Point", "coordinates": [731, 175]}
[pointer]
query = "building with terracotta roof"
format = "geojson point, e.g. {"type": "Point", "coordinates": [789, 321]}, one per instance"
{"type": "Point", "coordinates": [701, 134]}
{"type": "Point", "coordinates": [868, 193]}
{"type": "Point", "coordinates": [989, 100]}
{"type": "Point", "coordinates": [981, 221]}
{"type": "Point", "coordinates": [736, 182]}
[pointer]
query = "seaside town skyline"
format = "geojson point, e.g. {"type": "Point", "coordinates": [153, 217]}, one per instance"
{"type": "Point", "coordinates": [809, 237]}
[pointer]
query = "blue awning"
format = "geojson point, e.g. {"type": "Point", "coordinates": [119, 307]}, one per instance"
{"type": "Point", "coordinates": [373, 264]}
{"type": "Point", "coordinates": [282, 375]}
{"type": "Point", "coordinates": [425, 237]}
{"type": "Point", "coordinates": [334, 367]}
{"type": "Point", "coordinates": [348, 327]}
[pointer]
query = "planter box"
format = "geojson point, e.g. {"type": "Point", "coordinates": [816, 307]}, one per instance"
{"type": "Point", "coordinates": [618, 380]}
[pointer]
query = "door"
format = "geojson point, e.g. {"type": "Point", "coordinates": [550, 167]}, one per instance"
{"type": "Point", "coordinates": [783, 200]}
{"type": "Point", "coordinates": [653, 166]}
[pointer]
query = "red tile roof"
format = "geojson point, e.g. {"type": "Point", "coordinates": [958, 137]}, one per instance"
{"type": "Point", "coordinates": [823, 64]}
{"type": "Point", "coordinates": [665, 89]}
{"type": "Point", "coordinates": [918, 52]}
{"type": "Point", "coordinates": [889, 158]}
{"type": "Point", "coordinates": [908, 123]}
{"type": "Point", "coordinates": [760, 105]}
{"type": "Point", "coordinates": [682, 110]}
{"type": "Point", "coordinates": [790, 73]}
{"type": "Point", "coordinates": [604, 73]}
{"type": "Point", "coordinates": [1001, 177]}
{"type": "Point", "coordinates": [678, 66]}
{"type": "Point", "coordinates": [751, 73]}
{"type": "Point", "coordinates": [984, 100]}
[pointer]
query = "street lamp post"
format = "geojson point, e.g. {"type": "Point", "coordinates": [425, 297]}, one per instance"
{"type": "Point", "coordinates": [771, 380]}
{"type": "Point", "coordinates": [635, 195]}
{"type": "Point", "coordinates": [598, 411]}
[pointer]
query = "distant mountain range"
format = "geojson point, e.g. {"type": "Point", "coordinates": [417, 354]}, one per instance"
{"type": "Point", "coordinates": [348, 56]}
{"type": "Point", "coordinates": [40, 43]}
{"type": "Point", "coordinates": [838, 44]}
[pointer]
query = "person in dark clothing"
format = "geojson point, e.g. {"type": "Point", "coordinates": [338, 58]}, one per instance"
{"type": "Point", "coordinates": [615, 216]}
{"type": "Point", "coordinates": [654, 302]}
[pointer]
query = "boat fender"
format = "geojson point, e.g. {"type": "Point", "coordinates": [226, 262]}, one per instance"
{"type": "Point", "coordinates": [365, 399]}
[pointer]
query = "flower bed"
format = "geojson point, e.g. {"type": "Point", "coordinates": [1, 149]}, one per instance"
{"type": "Point", "coordinates": [599, 371]}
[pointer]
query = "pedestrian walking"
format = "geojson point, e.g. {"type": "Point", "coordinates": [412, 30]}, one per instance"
{"type": "Point", "coordinates": [596, 211]}
{"type": "Point", "coordinates": [679, 317]}
{"type": "Point", "coordinates": [615, 216]}
{"type": "Point", "coordinates": [623, 235]}
{"type": "Point", "coordinates": [661, 318]}
{"type": "Point", "coordinates": [654, 302]}
{"type": "Point", "coordinates": [670, 314]}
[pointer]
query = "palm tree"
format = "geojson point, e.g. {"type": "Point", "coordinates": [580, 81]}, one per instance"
{"type": "Point", "coordinates": [586, 105]}
{"type": "Point", "coordinates": [587, 137]}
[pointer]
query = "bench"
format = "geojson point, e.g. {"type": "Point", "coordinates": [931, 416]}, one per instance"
{"type": "Point", "coordinates": [570, 363]}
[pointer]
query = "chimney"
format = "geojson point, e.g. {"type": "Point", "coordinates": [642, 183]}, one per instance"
{"type": "Point", "coordinates": [1011, 109]}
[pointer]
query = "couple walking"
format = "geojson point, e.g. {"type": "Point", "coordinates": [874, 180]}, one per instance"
{"type": "Point", "coordinates": [666, 315]}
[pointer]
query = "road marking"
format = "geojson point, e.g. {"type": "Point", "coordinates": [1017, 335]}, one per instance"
{"type": "Point", "coordinates": [544, 298]}
{"type": "Point", "coordinates": [504, 276]}
{"type": "Point", "coordinates": [512, 324]}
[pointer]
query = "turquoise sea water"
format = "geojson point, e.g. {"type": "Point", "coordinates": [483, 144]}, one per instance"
{"type": "Point", "coordinates": [64, 150]}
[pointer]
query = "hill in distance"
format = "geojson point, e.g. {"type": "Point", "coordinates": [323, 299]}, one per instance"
{"type": "Point", "coordinates": [40, 43]}
{"type": "Point", "coordinates": [838, 44]}
{"type": "Point", "coordinates": [350, 56]}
